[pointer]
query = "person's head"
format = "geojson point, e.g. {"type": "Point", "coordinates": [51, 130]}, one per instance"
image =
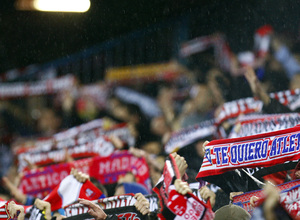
{"type": "Point", "coordinates": [99, 186]}
{"type": "Point", "coordinates": [295, 82]}
{"type": "Point", "coordinates": [125, 188]}
{"type": "Point", "coordinates": [49, 122]}
{"type": "Point", "coordinates": [159, 126]}
{"type": "Point", "coordinates": [203, 98]}
{"type": "Point", "coordinates": [127, 178]}
{"type": "Point", "coordinates": [231, 212]}
{"type": "Point", "coordinates": [152, 147]}
{"type": "Point", "coordinates": [86, 108]}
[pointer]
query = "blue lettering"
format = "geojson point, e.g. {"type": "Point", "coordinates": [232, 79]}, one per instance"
{"type": "Point", "coordinates": [264, 149]}
{"type": "Point", "coordinates": [251, 146]}
{"type": "Point", "coordinates": [217, 151]}
{"type": "Point", "coordinates": [292, 143]}
{"type": "Point", "coordinates": [257, 150]}
{"type": "Point", "coordinates": [279, 141]}
{"type": "Point", "coordinates": [285, 149]}
{"type": "Point", "coordinates": [233, 152]}
{"type": "Point", "coordinates": [298, 142]}
{"type": "Point", "coordinates": [241, 152]}
{"type": "Point", "coordinates": [224, 155]}
{"type": "Point", "coordinates": [246, 152]}
{"type": "Point", "coordinates": [273, 148]}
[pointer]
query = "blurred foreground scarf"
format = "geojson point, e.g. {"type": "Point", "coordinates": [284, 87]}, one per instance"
{"type": "Point", "coordinates": [182, 206]}
{"type": "Point", "coordinates": [69, 190]}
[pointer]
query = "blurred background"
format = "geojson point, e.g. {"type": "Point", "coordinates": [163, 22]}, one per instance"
{"type": "Point", "coordinates": [33, 37]}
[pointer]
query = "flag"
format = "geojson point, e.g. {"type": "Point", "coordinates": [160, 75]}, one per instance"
{"type": "Point", "coordinates": [69, 190]}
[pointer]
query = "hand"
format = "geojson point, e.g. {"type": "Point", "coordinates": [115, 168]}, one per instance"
{"type": "Point", "coordinates": [13, 210]}
{"type": "Point", "coordinates": [272, 199]}
{"type": "Point", "coordinates": [79, 176]}
{"type": "Point", "coordinates": [253, 201]}
{"type": "Point", "coordinates": [206, 194]}
{"type": "Point", "coordinates": [43, 206]}
{"type": "Point", "coordinates": [94, 210]}
{"type": "Point", "coordinates": [181, 163]}
{"type": "Point", "coordinates": [142, 204]}
{"type": "Point", "coordinates": [116, 141]}
{"type": "Point", "coordinates": [30, 165]}
{"type": "Point", "coordinates": [137, 152]}
{"type": "Point", "coordinates": [68, 157]}
{"type": "Point", "coordinates": [14, 191]}
{"type": "Point", "coordinates": [256, 87]}
{"type": "Point", "coordinates": [59, 216]}
{"type": "Point", "coordinates": [182, 187]}
{"type": "Point", "coordinates": [232, 194]}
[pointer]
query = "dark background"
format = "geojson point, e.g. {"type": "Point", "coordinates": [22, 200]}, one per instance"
{"type": "Point", "coordinates": [28, 37]}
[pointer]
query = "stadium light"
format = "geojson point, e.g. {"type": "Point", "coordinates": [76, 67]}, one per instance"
{"type": "Point", "coordinates": [62, 5]}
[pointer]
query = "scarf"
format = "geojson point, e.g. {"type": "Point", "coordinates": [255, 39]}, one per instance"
{"type": "Point", "coordinates": [69, 190]}
{"type": "Point", "coordinates": [232, 109]}
{"type": "Point", "coordinates": [22, 89]}
{"type": "Point", "coordinates": [262, 150]}
{"type": "Point", "coordinates": [189, 135]}
{"type": "Point", "coordinates": [100, 146]}
{"type": "Point", "coordinates": [182, 206]}
{"type": "Point", "coordinates": [257, 124]}
{"type": "Point", "coordinates": [243, 200]}
{"type": "Point", "coordinates": [40, 182]}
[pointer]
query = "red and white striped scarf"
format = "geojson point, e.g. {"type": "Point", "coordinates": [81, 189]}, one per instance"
{"type": "Point", "coordinates": [233, 109]}
{"type": "Point", "coordinates": [257, 124]}
{"type": "Point", "coordinates": [243, 200]}
{"type": "Point", "coordinates": [183, 206]}
{"type": "Point", "coordinates": [14, 90]}
{"type": "Point", "coordinates": [262, 150]}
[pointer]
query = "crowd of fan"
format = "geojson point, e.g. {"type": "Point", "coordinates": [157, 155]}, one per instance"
{"type": "Point", "coordinates": [180, 104]}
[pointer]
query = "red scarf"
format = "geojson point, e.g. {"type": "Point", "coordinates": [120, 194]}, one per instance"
{"type": "Point", "coordinates": [40, 182]}
{"type": "Point", "coordinates": [243, 200]}
{"type": "Point", "coordinates": [184, 207]}
{"type": "Point", "coordinates": [262, 150]}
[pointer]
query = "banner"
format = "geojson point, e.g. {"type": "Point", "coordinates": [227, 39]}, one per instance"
{"type": "Point", "coordinates": [243, 200]}
{"type": "Point", "coordinates": [257, 124]}
{"type": "Point", "coordinates": [14, 90]}
{"type": "Point", "coordinates": [261, 150]}
{"type": "Point", "coordinates": [40, 182]}
{"type": "Point", "coordinates": [147, 72]}
{"type": "Point", "coordinates": [189, 135]}
{"type": "Point", "coordinates": [108, 169]}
